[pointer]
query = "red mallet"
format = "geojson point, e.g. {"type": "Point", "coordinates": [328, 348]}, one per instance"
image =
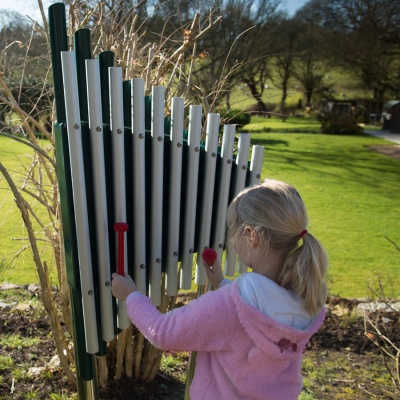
{"type": "Point", "coordinates": [209, 256]}
{"type": "Point", "coordinates": [121, 228]}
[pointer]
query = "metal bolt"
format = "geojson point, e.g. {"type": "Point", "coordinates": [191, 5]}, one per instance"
{"type": "Point", "coordinates": [214, 154]}
{"type": "Point", "coordinates": [244, 167]}
{"type": "Point", "coordinates": [108, 284]}
{"type": "Point", "coordinates": [197, 149]}
{"type": "Point", "coordinates": [175, 254]}
{"type": "Point", "coordinates": [142, 266]}
{"type": "Point", "coordinates": [158, 260]}
{"type": "Point", "coordinates": [191, 251]}
{"type": "Point", "coordinates": [160, 139]}
{"type": "Point", "coordinates": [179, 145]}
{"type": "Point", "coordinates": [141, 136]}
{"type": "Point", "coordinates": [98, 129]}
{"type": "Point", "coordinates": [229, 161]}
{"type": "Point", "coordinates": [119, 131]}
{"type": "Point", "coordinates": [76, 126]}
{"type": "Point", "coordinates": [221, 246]}
{"type": "Point", "coordinates": [258, 176]}
{"type": "Point", "coordinates": [90, 292]}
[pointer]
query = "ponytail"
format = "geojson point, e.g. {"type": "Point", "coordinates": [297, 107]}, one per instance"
{"type": "Point", "coordinates": [278, 214]}
{"type": "Point", "coordinates": [304, 271]}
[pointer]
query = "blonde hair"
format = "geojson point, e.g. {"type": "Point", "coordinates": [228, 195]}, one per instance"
{"type": "Point", "coordinates": [277, 213]}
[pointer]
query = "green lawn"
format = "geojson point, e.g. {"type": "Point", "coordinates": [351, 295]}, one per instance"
{"type": "Point", "coordinates": [16, 260]}
{"type": "Point", "coordinates": [352, 196]}
{"type": "Point", "coordinates": [344, 85]}
{"type": "Point", "coordinates": [15, 157]}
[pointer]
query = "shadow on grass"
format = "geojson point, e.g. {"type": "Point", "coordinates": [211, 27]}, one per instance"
{"type": "Point", "coordinates": [269, 142]}
{"type": "Point", "coordinates": [353, 163]}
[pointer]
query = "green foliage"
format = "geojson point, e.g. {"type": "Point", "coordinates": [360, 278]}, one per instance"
{"type": "Point", "coordinates": [5, 362]}
{"type": "Point", "coordinates": [235, 117]}
{"type": "Point", "coordinates": [16, 341]}
{"type": "Point", "coordinates": [58, 396]}
{"type": "Point", "coordinates": [339, 124]}
{"type": "Point", "coordinates": [175, 364]}
{"type": "Point", "coordinates": [21, 372]}
{"type": "Point", "coordinates": [32, 394]}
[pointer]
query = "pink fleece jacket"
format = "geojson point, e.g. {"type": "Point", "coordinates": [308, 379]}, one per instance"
{"type": "Point", "coordinates": [242, 353]}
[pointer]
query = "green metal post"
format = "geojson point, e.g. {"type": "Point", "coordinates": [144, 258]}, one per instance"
{"type": "Point", "coordinates": [85, 363]}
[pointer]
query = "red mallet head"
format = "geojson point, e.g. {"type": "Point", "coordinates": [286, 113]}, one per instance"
{"type": "Point", "coordinates": [209, 256]}
{"type": "Point", "coordinates": [121, 227]}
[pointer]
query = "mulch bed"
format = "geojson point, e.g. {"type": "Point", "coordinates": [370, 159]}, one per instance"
{"type": "Point", "coordinates": [340, 332]}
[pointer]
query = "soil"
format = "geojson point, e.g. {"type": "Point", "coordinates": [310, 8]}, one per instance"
{"type": "Point", "coordinates": [341, 337]}
{"type": "Point", "coordinates": [392, 151]}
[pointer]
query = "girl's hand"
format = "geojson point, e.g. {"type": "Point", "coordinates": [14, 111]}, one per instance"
{"type": "Point", "coordinates": [122, 286]}
{"type": "Point", "coordinates": [214, 272]}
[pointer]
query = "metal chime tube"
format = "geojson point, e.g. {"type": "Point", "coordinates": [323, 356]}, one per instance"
{"type": "Point", "coordinates": [191, 195]}
{"type": "Point", "coordinates": [257, 156]}
{"type": "Point", "coordinates": [176, 137]}
{"type": "Point", "coordinates": [139, 185]}
{"type": "Point", "coordinates": [225, 175]}
{"type": "Point", "coordinates": [80, 201]}
{"type": "Point", "coordinates": [100, 197]}
{"type": "Point", "coordinates": [157, 144]}
{"type": "Point", "coordinates": [211, 148]}
{"type": "Point", "coordinates": [239, 184]}
{"type": "Point", "coordinates": [118, 156]}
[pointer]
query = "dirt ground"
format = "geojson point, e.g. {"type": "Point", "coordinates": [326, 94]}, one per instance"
{"type": "Point", "coordinates": [341, 342]}
{"type": "Point", "coordinates": [392, 151]}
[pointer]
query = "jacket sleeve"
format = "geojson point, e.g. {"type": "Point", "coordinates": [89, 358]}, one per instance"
{"type": "Point", "coordinates": [205, 324]}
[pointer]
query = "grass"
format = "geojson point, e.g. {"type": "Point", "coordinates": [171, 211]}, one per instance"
{"type": "Point", "coordinates": [344, 85]}
{"type": "Point", "coordinates": [15, 157]}
{"type": "Point", "coordinates": [16, 261]}
{"type": "Point", "coordinates": [338, 375]}
{"type": "Point", "coordinates": [351, 194]}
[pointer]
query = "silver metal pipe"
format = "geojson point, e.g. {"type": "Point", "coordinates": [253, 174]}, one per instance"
{"type": "Point", "coordinates": [118, 156]}
{"type": "Point", "coordinates": [157, 144]}
{"type": "Point", "coordinates": [139, 183]}
{"type": "Point", "coordinates": [239, 184]}
{"type": "Point", "coordinates": [256, 164]}
{"type": "Point", "coordinates": [191, 195]}
{"type": "Point", "coordinates": [223, 189]}
{"type": "Point", "coordinates": [207, 191]}
{"type": "Point", "coordinates": [100, 197]}
{"type": "Point", "coordinates": [176, 137]}
{"type": "Point", "coordinates": [79, 197]}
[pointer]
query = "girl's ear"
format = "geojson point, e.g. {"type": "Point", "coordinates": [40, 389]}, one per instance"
{"type": "Point", "coordinates": [252, 236]}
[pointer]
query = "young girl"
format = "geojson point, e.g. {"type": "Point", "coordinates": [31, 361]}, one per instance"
{"type": "Point", "coordinates": [249, 335]}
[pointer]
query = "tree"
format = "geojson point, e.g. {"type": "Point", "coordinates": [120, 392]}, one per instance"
{"type": "Point", "coordinates": [364, 36]}
{"type": "Point", "coordinates": [237, 54]}
{"type": "Point", "coordinates": [21, 43]}
{"type": "Point", "coordinates": [288, 33]}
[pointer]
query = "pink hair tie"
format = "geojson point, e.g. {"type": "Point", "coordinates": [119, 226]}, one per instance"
{"type": "Point", "coordinates": [302, 233]}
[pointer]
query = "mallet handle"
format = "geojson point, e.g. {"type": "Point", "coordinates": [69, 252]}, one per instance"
{"type": "Point", "coordinates": [120, 228]}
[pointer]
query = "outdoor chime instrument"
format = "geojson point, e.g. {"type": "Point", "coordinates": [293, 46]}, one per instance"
{"type": "Point", "coordinates": [121, 161]}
